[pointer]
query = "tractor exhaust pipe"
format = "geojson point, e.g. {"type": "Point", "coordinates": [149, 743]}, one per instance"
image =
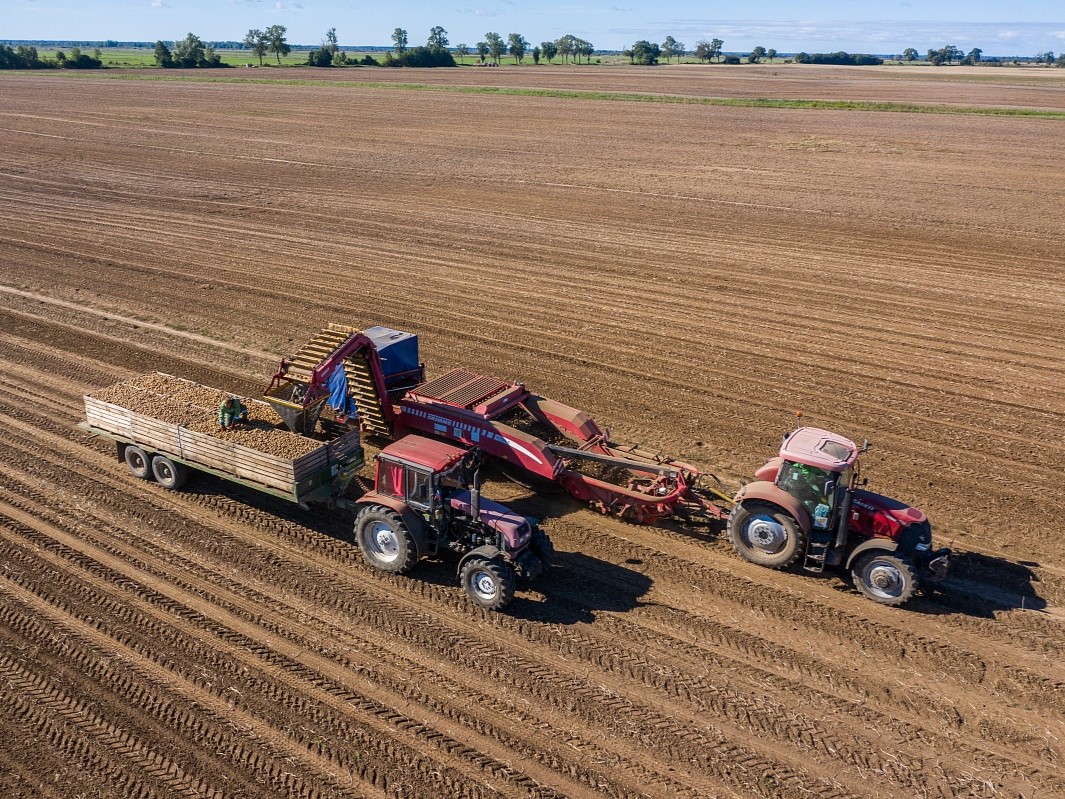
{"type": "Point", "coordinates": [844, 519]}
{"type": "Point", "coordinates": [475, 491]}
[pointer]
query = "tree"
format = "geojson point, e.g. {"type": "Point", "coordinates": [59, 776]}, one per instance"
{"type": "Point", "coordinates": [496, 45]}
{"type": "Point", "coordinates": [770, 54]}
{"type": "Point", "coordinates": [399, 40]}
{"type": "Point", "coordinates": [320, 57]}
{"type": "Point", "coordinates": [757, 54]}
{"type": "Point", "coordinates": [702, 50]}
{"type": "Point", "coordinates": [974, 57]}
{"type": "Point", "coordinates": [645, 53]}
{"type": "Point", "coordinates": [163, 58]}
{"type": "Point", "coordinates": [549, 50]}
{"type": "Point", "coordinates": [516, 46]}
{"type": "Point", "coordinates": [1048, 58]}
{"type": "Point", "coordinates": [566, 46]}
{"type": "Point", "coordinates": [629, 55]}
{"type": "Point", "coordinates": [909, 54]}
{"type": "Point", "coordinates": [462, 50]}
{"type": "Point", "coordinates": [256, 41]}
{"type": "Point", "coordinates": [536, 55]}
{"type": "Point", "coordinates": [482, 51]}
{"type": "Point", "coordinates": [189, 52]}
{"type": "Point", "coordinates": [1061, 60]}
{"type": "Point", "coordinates": [669, 48]}
{"type": "Point", "coordinates": [275, 37]}
{"type": "Point", "coordinates": [715, 48]}
{"type": "Point", "coordinates": [437, 39]}
{"type": "Point", "coordinates": [331, 41]}
{"type": "Point", "coordinates": [584, 48]}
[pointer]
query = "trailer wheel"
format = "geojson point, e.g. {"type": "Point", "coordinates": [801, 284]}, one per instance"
{"type": "Point", "coordinates": [138, 462]}
{"type": "Point", "coordinates": [168, 473]}
{"type": "Point", "coordinates": [765, 534]}
{"type": "Point", "coordinates": [543, 548]}
{"type": "Point", "coordinates": [489, 584]}
{"type": "Point", "coordinates": [385, 541]}
{"type": "Point", "coordinates": [885, 577]}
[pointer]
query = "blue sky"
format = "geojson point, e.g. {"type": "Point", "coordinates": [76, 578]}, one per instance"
{"type": "Point", "coordinates": [1021, 27]}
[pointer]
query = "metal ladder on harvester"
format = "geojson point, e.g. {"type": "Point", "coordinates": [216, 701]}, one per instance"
{"type": "Point", "coordinates": [362, 388]}
{"type": "Point", "coordinates": [360, 378]}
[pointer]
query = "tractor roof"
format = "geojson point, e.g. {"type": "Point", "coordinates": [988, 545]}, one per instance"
{"type": "Point", "coordinates": [819, 448]}
{"type": "Point", "coordinates": [425, 452]}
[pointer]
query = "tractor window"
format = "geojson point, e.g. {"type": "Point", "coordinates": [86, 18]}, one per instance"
{"type": "Point", "coordinates": [808, 484]}
{"type": "Point", "coordinates": [453, 477]}
{"type": "Point", "coordinates": [390, 478]}
{"type": "Point", "coordinates": [419, 488]}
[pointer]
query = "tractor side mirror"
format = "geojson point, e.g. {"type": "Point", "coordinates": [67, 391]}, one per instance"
{"type": "Point", "coordinates": [865, 481]}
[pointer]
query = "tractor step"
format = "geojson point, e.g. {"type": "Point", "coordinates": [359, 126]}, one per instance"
{"type": "Point", "coordinates": [817, 552]}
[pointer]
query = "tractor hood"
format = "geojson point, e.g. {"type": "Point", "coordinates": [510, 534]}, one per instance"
{"type": "Point", "coordinates": [899, 511]}
{"type": "Point", "coordinates": [515, 529]}
{"type": "Point", "coordinates": [880, 516]}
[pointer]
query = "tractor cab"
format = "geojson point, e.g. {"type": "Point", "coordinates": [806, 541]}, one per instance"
{"type": "Point", "coordinates": [817, 468]}
{"type": "Point", "coordinates": [421, 472]}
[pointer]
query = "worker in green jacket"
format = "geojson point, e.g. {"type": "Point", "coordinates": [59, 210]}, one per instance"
{"type": "Point", "coordinates": [231, 411]}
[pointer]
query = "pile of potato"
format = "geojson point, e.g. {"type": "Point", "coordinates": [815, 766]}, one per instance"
{"type": "Point", "coordinates": [176, 401]}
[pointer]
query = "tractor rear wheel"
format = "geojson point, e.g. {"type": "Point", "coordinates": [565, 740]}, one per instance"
{"type": "Point", "coordinates": [885, 577]}
{"type": "Point", "coordinates": [765, 534]}
{"type": "Point", "coordinates": [138, 462]}
{"type": "Point", "coordinates": [385, 541]}
{"type": "Point", "coordinates": [169, 474]}
{"type": "Point", "coordinates": [488, 583]}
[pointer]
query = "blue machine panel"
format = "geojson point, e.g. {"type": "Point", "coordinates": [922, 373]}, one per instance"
{"type": "Point", "coordinates": [398, 350]}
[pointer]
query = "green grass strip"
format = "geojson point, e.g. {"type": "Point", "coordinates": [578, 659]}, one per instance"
{"type": "Point", "coordinates": [626, 97]}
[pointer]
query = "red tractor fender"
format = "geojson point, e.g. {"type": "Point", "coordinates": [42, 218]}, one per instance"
{"type": "Point", "coordinates": [488, 552]}
{"type": "Point", "coordinates": [767, 492]}
{"type": "Point", "coordinates": [886, 544]}
{"type": "Point", "coordinates": [414, 523]}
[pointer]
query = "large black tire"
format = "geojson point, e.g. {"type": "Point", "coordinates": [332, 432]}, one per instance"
{"type": "Point", "coordinates": [385, 541]}
{"type": "Point", "coordinates": [543, 548]}
{"type": "Point", "coordinates": [766, 534]}
{"type": "Point", "coordinates": [138, 462]}
{"type": "Point", "coordinates": [169, 474]}
{"type": "Point", "coordinates": [885, 577]}
{"type": "Point", "coordinates": [488, 583]}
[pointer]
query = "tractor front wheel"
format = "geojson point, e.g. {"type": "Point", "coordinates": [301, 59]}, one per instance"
{"type": "Point", "coordinates": [765, 534]}
{"type": "Point", "coordinates": [885, 577]}
{"type": "Point", "coordinates": [385, 541]}
{"type": "Point", "coordinates": [489, 584]}
{"type": "Point", "coordinates": [543, 548]}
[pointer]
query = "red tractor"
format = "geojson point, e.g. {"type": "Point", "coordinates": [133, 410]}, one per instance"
{"type": "Point", "coordinates": [427, 499]}
{"type": "Point", "coordinates": [806, 503]}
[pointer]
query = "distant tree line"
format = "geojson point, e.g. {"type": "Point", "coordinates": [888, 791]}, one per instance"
{"type": "Point", "coordinates": [852, 59]}
{"type": "Point", "coordinates": [192, 52]}
{"type": "Point", "coordinates": [23, 57]}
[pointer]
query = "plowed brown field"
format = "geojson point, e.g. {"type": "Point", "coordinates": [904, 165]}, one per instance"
{"type": "Point", "coordinates": [690, 275]}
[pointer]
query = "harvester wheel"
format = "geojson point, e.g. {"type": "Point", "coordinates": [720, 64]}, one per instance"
{"type": "Point", "coordinates": [138, 462]}
{"type": "Point", "coordinates": [543, 548]}
{"type": "Point", "coordinates": [385, 541]}
{"type": "Point", "coordinates": [488, 583]}
{"type": "Point", "coordinates": [885, 577]}
{"type": "Point", "coordinates": [765, 534]}
{"type": "Point", "coordinates": [169, 474]}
